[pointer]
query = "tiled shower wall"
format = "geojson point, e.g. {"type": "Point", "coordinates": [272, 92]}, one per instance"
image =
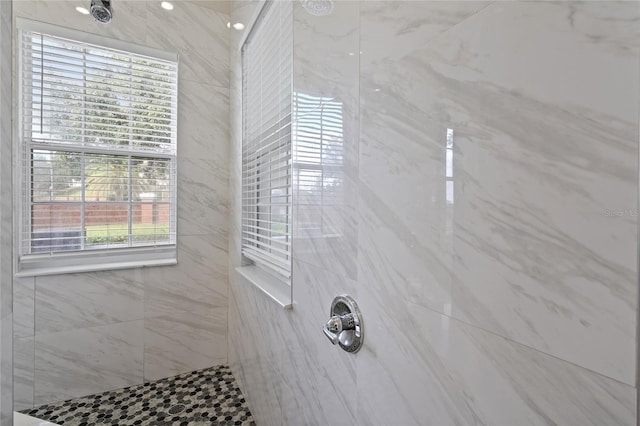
{"type": "Point", "coordinates": [79, 334]}
{"type": "Point", "coordinates": [6, 296]}
{"type": "Point", "coordinates": [481, 207]}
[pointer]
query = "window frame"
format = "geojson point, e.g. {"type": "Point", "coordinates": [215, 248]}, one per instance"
{"type": "Point", "coordinates": [28, 263]}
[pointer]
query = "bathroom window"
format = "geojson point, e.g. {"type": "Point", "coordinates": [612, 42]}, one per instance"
{"type": "Point", "coordinates": [266, 149]}
{"type": "Point", "coordinates": [97, 154]}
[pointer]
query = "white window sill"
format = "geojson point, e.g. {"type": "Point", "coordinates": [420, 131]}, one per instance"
{"type": "Point", "coordinates": [91, 261]}
{"type": "Point", "coordinates": [278, 291]}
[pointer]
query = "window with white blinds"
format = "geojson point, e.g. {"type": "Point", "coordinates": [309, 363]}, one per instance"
{"type": "Point", "coordinates": [98, 155]}
{"type": "Point", "coordinates": [266, 149]}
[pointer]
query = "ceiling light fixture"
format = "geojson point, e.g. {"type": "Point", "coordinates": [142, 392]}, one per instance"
{"type": "Point", "coordinates": [82, 10]}
{"type": "Point", "coordinates": [166, 5]}
{"type": "Point", "coordinates": [238, 26]}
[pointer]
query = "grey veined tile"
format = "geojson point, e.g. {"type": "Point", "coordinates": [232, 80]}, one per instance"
{"type": "Point", "coordinates": [422, 367]}
{"type": "Point", "coordinates": [81, 362]}
{"type": "Point", "coordinates": [23, 307]}
{"type": "Point", "coordinates": [72, 301]}
{"type": "Point", "coordinates": [23, 373]}
{"type": "Point", "coordinates": [196, 284]}
{"type": "Point", "coordinates": [178, 343]}
{"type": "Point", "coordinates": [488, 183]}
{"type": "Point", "coordinates": [203, 199]}
{"type": "Point", "coordinates": [203, 131]}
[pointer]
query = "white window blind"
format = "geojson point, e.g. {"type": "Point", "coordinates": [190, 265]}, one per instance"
{"type": "Point", "coordinates": [266, 151]}
{"type": "Point", "coordinates": [98, 146]}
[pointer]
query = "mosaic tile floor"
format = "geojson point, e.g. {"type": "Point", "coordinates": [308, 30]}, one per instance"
{"type": "Point", "coordinates": [205, 397]}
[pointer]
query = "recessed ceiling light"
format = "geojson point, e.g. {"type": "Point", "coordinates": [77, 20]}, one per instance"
{"type": "Point", "coordinates": [228, 24]}
{"type": "Point", "coordinates": [82, 10]}
{"type": "Point", "coordinates": [238, 26]}
{"type": "Point", "coordinates": [166, 5]}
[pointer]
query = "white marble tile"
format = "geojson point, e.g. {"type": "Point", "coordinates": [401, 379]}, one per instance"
{"type": "Point", "coordinates": [6, 369]}
{"type": "Point", "coordinates": [203, 172]}
{"type": "Point", "coordinates": [544, 145]}
{"type": "Point", "coordinates": [237, 351]}
{"type": "Point", "coordinates": [251, 359]}
{"type": "Point", "coordinates": [197, 283]}
{"type": "Point", "coordinates": [422, 367]}
{"type": "Point", "coordinates": [23, 307]}
{"type": "Point", "coordinates": [203, 123]}
{"type": "Point", "coordinates": [6, 214]}
{"type": "Point", "coordinates": [407, 250]}
{"type": "Point", "coordinates": [202, 199]}
{"type": "Point", "coordinates": [567, 279]}
{"type": "Point", "coordinates": [184, 342]}
{"type": "Point", "coordinates": [326, 236]}
{"type": "Point", "coordinates": [23, 373]}
{"type": "Point", "coordinates": [202, 40]}
{"type": "Point", "coordinates": [405, 216]}
{"type": "Point", "coordinates": [287, 369]}
{"type": "Point", "coordinates": [315, 374]}
{"type": "Point", "coordinates": [289, 372]}
{"type": "Point", "coordinates": [266, 390]}
{"type": "Point", "coordinates": [81, 362]}
{"type": "Point", "coordinates": [325, 145]}
{"type": "Point", "coordinates": [66, 302]}
{"type": "Point", "coordinates": [205, 65]}
{"type": "Point", "coordinates": [398, 25]}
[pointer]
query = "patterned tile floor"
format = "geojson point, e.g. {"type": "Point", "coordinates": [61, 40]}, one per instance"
{"type": "Point", "coordinates": [205, 397]}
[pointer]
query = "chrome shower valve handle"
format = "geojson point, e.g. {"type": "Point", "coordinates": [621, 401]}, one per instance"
{"type": "Point", "coordinates": [336, 325]}
{"type": "Point", "coordinates": [344, 328]}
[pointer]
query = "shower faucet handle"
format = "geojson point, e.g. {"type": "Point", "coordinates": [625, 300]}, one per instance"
{"type": "Point", "coordinates": [344, 328]}
{"type": "Point", "coordinates": [336, 325]}
{"type": "Point", "coordinates": [332, 329]}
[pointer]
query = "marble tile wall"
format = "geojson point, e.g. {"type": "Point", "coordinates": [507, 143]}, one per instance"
{"type": "Point", "coordinates": [483, 212]}
{"type": "Point", "coordinates": [78, 334]}
{"type": "Point", "coordinates": [6, 234]}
